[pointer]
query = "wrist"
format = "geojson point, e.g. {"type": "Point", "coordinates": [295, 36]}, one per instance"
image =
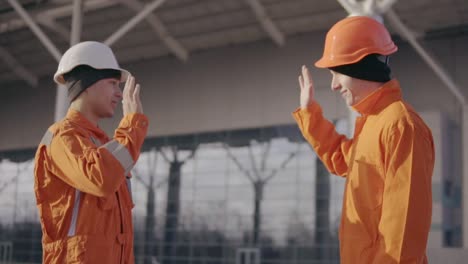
{"type": "Point", "coordinates": [307, 105]}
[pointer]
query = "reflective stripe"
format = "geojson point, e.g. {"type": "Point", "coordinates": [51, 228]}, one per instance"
{"type": "Point", "coordinates": [76, 207]}
{"type": "Point", "coordinates": [127, 171]}
{"type": "Point", "coordinates": [47, 138]}
{"type": "Point", "coordinates": [121, 153]}
{"type": "Point", "coordinates": [96, 142]}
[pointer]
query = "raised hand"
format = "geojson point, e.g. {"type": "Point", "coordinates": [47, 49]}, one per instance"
{"type": "Point", "coordinates": [131, 102]}
{"type": "Point", "coordinates": [307, 88]}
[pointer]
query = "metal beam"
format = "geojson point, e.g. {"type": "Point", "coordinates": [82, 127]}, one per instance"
{"type": "Point", "coordinates": [65, 11]}
{"type": "Point", "coordinates": [384, 5]}
{"type": "Point", "coordinates": [17, 68]}
{"type": "Point", "coordinates": [133, 22]}
{"type": "Point", "coordinates": [373, 8]}
{"type": "Point", "coordinates": [76, 22]}
{"type": "Point", "coordinates": [55, 13]}
{"type": "Point", "coordinates": [158, 27]}
{"type": "Point", "coordinates": [353, 8]}
{"type": "Point", "coordinates": [370, 6]}
{"type": "Point", "coordinates": [464, 121]}
{"type": "Point", "coordinates": [393, 18]}
{"type": "Point", "coordinates": [52, 25]}
{"type": "Point", "coordinates": [366, 8]}
{"type": "Point", "coordinates": [35, 29]}
{"type": "Point", "coordinates": [61, 98]}
{"type": "Point", "coordinates": [266, 22]}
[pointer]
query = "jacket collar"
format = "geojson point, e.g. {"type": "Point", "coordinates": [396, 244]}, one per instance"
{"type": "Point", "coordinates": [375, 102]}
{"type": "Point", "coordinates": [76, 117]}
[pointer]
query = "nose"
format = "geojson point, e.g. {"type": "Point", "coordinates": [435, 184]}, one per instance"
{"type": "Point", "coordinates": [118, 91]}
{"type": "Point", "coordinates": [335, 85]}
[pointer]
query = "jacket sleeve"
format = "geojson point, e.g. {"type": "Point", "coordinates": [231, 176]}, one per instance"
{"type": "Point", "coordinates": [407, 197]}
{"type": "Point", "coordinates": [332, 148]}
{"type": "Point", "coordinates": [98, 170]}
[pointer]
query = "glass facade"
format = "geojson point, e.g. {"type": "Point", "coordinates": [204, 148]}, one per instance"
{"type": "Point", "coordinates": [243, 197]}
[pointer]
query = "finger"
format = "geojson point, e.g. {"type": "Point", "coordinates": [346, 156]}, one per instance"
{"type": "Point", "coordinates": [131, 87]}
{"type": "Point", "coordinates": [304, 76]}
{"type": "Point", "coordinates": [304, 69]}
{"type": "Point", "coordinates": [125, 90]}
{"type": "Point", "coordinates": [137, 100]}
{"type": "Point", "coordinates": [136, 93]}
{"type": "Point", "coordinates": [308, 77]}
{"type": "Point", "coordinates": [128, 87]}
{"type": "Point", "coordinates": [301, 82]}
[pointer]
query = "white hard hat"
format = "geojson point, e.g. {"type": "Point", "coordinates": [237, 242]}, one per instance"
{"type": "Point", "coordinates": [91, 53]}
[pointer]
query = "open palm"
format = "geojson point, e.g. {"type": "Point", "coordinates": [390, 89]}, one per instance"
{"type": "Point", "coordinates": [307, 88]}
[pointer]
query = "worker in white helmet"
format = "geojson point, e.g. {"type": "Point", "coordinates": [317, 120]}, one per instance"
{"type": "Point", "coordinates": [82, 176]}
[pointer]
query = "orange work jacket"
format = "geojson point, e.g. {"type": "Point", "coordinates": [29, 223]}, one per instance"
{"type": "Point", "coordinates": [388, 164]}
{"type": "Point", "coordinates": [83, 191]}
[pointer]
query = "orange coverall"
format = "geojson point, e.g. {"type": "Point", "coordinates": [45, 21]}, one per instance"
{"type": "Point", "coordinates": [388, 165]}
{"type": "Point", "coordinates": [82, 190]}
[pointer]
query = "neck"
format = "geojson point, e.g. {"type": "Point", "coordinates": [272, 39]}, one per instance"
{"type": "Point", "coordinates": [368, 87]}
{"type": "Point", "coordinates": [79, 106]}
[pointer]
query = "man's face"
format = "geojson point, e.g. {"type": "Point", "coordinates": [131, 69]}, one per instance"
{"type": "Point", "coordinates": [348, 87]}
{"type": "Point", "coordinates": [104, 96]}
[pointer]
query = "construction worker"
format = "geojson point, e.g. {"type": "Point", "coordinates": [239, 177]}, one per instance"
{"type": "Point", "coordinates": [82, 176]}
{"type": "Point", "coordinates": [388, 164]}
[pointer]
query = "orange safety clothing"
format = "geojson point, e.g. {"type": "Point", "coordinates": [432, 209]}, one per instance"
{"type": "Point", "coordinates": [83, 197]}
{"type": "Point", "coordinates": [388, 165]}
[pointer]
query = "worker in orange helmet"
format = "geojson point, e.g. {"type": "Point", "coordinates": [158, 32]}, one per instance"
{"type": "Point", "coordinates": [82, 177]}
{"type": "Point", "coordinates": [388, 163]}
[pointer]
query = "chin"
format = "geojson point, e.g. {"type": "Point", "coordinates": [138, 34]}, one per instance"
{"type": "Point", "coordinates": [109, 114]}
{"type": "Point", "coordinates": [349, 102]}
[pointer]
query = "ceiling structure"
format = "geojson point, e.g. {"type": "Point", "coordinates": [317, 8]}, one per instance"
{"type": "Point", "coordinates": [180, 28]}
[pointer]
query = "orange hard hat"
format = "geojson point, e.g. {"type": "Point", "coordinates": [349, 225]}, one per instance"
{"type": "Point", "coordinates": [353, 38]}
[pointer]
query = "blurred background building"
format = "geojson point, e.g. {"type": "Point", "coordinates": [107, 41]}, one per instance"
{"type": "Point", "coordinates": [225, 176]}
